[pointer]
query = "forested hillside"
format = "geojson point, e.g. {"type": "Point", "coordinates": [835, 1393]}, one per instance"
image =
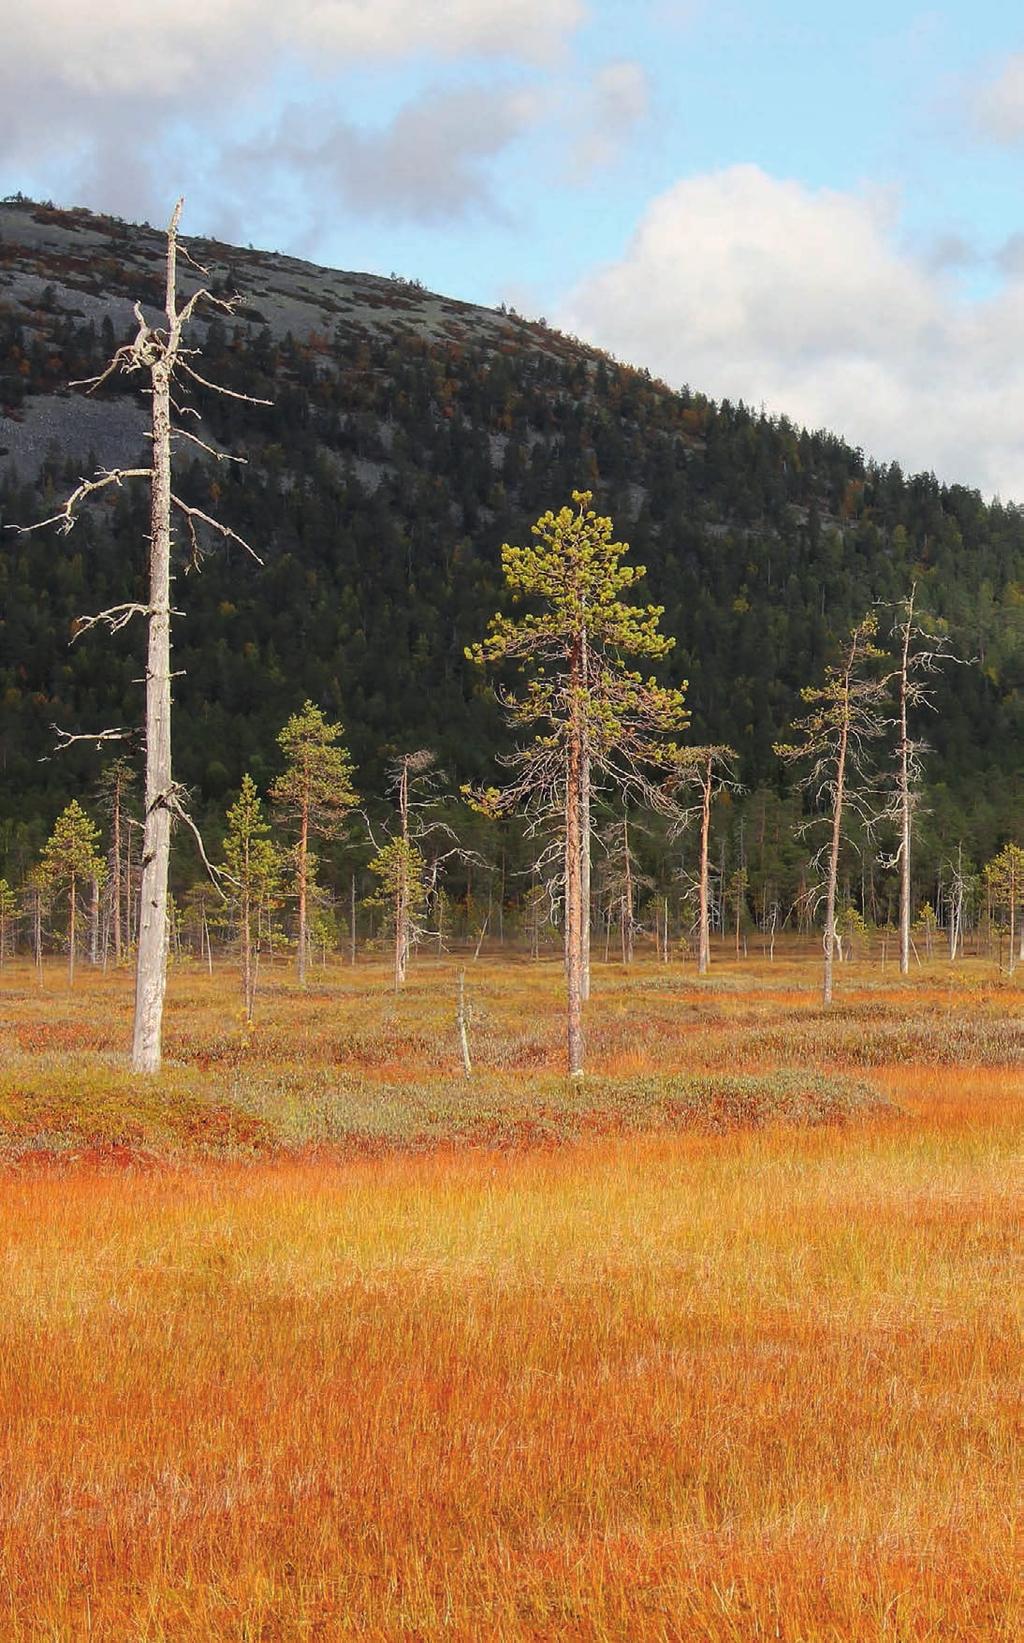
{"type": "Point", "coordinates": [408, 437]}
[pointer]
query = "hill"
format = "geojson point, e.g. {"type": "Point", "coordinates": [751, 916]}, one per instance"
{"type": "Point", "coordinates": [409, 435]}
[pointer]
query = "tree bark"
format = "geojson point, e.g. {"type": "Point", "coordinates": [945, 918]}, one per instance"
{"type": "Point", "coordinates": [574, 883]}
{"type": "Point", "coordinates": [703, 929]}
{"type": "Point", "coordinates": [904, 796]}
{"type": "Point", "coordinates": [72, 920]}
{"type": "Point", "coordinates": [833, 861]}
{"type": "Point", "coordinates": [151, 964]}
{"type": "Point", "coordinates": [116, 886]}
{"type": "Point", "coordinates": [301, 864]}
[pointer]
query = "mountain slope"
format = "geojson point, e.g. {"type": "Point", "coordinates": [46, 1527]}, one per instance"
{"type": "Point", "coordinates": [409, 436]}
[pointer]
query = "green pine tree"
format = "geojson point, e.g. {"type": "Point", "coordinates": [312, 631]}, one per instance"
{"type": "Point", "coordinates": [253, 870]}
{"type": "Point", "coordinates": [70, 859]}
{"type": "Point", "coordinates": [314, 794]}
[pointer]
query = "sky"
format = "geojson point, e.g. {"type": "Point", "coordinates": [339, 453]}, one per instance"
{"type": "Point", "coordinates": [814, 209]}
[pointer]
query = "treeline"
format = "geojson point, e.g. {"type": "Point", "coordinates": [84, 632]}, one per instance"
{"type": "Point", "coordinates": [380, 485]}
{"type": "Point", "coordinates": [473, 884]}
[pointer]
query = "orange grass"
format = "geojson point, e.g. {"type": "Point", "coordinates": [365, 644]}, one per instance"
{"type": "Point", "coordinates": [761, 1385]}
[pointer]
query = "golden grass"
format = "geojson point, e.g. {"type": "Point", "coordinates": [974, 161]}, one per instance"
{"type": "Point", "coordinates": [760, 1385]}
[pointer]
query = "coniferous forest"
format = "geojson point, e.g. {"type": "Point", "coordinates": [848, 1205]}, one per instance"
{"type": "Point", "coordinates": [380, 483]}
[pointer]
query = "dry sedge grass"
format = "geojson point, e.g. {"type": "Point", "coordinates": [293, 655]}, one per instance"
{"type": "Point", "coordinates": [757, 1384]}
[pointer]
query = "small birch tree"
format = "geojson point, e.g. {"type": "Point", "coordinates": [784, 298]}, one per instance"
{"type": "Point", "coordinates": [253, 874]}
{"type": "Point", "coordinates": [314, 794]}
{"type": "Point", "coordinates": [1004, 880]}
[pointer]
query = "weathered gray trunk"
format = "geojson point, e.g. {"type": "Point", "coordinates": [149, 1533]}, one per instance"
{"type": "Point", "coordinates": [151, 961]}
{"type": "Point", "coordinates": [94, 924]}
{"type": "Point", "coordinates": [115, 890]}
{"type": "Point", "coordinates": [703, 929]}
{"type": "Point", "coordinates": [585, 828]}
{"type": "Point", "coordinates": [72, 933]}
{"type": "Point", "coordinates": [831, 935]}
{"type": "Point", "coordinates": [301, 874]}
{"type": "Point", "coordinates": [574, 851]}
{"type": "Point", "coordinates": [904, 796]}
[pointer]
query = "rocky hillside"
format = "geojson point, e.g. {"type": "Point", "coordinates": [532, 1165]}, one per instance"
{"type": "Point", "coordinates": [409, 435]}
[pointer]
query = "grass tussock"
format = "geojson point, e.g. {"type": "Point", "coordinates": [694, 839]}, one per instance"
{"type": "Point", "coordinates": [759, 1385]}
{"type": "Point", "coordinates": [738, 1358]}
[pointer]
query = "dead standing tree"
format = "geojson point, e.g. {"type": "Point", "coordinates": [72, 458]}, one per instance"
{"type": "Point", "coordinates": [846, 715]}
{"type": "Point", "coordinates": [921, 652]}
{"type": "Point", "coordinates": [709, 770]}
{"type": "Point", "coordinates": [159, 352]}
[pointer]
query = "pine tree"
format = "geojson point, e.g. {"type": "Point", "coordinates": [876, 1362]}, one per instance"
{"type": "Point", "coordinates": [70, 858]}
{"type": "Point", "coordinates": [587, 709]}
{"type": "Point", "coordinates": [253, 872]}
{"type": "Point", "coordinates": [314, 793]}
{"type": "Point", "coordinates": [709, 770]}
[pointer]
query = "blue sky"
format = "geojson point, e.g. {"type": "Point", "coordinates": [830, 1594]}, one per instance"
{"type": "Point", "coordinates": [814, 208]}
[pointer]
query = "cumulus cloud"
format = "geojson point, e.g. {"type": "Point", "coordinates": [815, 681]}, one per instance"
{"type": "Point", "coordinates": [159, 46]}
{"type": "Point", "coordinates": [94, 94]}
{"type": "Point", "coordinates": [754, 288]}
{"type": "Point", "coordinates": [996, 104]}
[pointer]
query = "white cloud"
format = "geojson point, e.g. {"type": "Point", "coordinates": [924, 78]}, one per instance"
{"type": "Point", "coordinates": [996, 105]}
{"type": "Point", "coordinates": [616, 101]}
{"type": "Point", "coordinates": [748, 287]}
{"type": "Point", "coordinates": [101, 100]}
{"type": "Point", "coordinates": [160, 47]}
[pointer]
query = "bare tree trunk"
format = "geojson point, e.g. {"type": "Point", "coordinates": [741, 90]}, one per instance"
{"type": "Point", "coordinates": [703, 929]}
{"type": "Point", "coordinates": [151, 965]}
{"type": "Point", "coordinates": [245, 934]}
{"type": "Point", "coordinates": [94, 924]}
{"type": "Point", "coordinates": [904, 795]}
{"type": "Point", "coordinates": [627, 895]}
{"type": "Point", "coordinates": [72, 932]}
{"type": "Point", "coordinates": [585, 834]}
{"type": "Point", "coordinates": [352, 922]}
{"type": "Point", "coordinates": [831, 935]}
{"type": "Point", "coordinates": [402, 887]}
{"type": "Point", "coordinates": [462, 1022]}
{"type": "Point", "coordinates": [301, 868]}
{"type": "Point", "coordinates": [574, 888]}
{"type": "Point", "coordinates": [116, 887]}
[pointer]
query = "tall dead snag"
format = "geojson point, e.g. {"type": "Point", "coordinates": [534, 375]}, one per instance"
{"type": "Point", "coordinates": [590, 714]}
{"type": "Point", "coordinates": [707, 771]}
{"type": "Point", "coordinates": [921, 651]}
{"type": "Point", "coordinates": [847, 713]}
{"type": "Point", "coordinates": [159, 352]}
{"type": "Point", "coordinates": [406, 878]}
